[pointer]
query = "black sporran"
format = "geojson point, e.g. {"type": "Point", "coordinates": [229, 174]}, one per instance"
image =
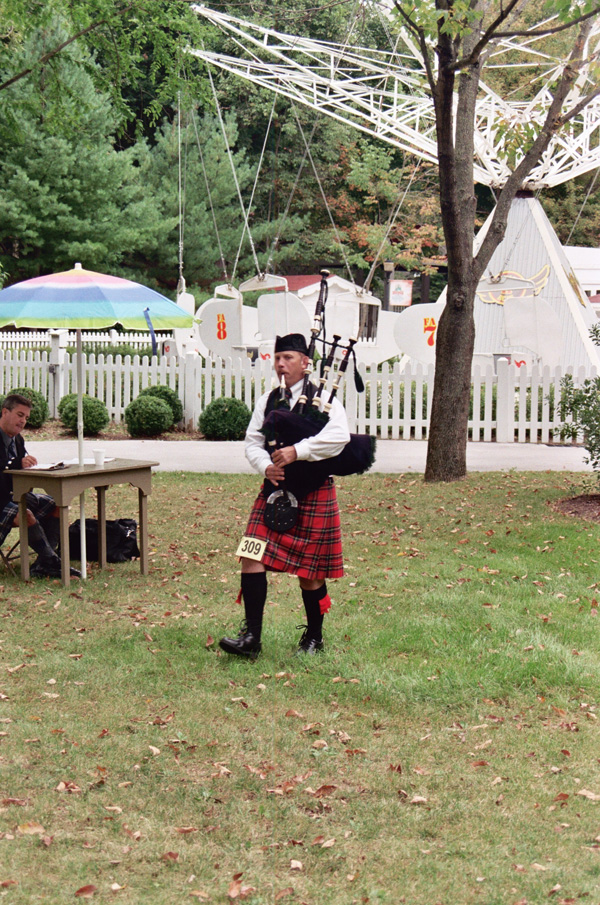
{"type": "Point", "coordinates": [281, 511]}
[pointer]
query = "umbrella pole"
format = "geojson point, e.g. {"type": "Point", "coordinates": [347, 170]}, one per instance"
{"type": "Point", "coordinates": [80, 453]}
{"type": "Point", "coordinates": [79, 398]}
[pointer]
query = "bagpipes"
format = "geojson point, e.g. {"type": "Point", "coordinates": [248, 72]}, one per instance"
{"type": "Point", "coordinates": [283, 427]}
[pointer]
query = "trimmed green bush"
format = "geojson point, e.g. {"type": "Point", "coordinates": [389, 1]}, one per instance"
{"type": "Point", "coordinates": [95, 414]}
{"type": "Point", "coordinates": [122, 349]}
{"type": "Point", "coordinates": [169, 396]}
{"type": "Point", "coordinates": [148, 416]}
{"type": "Point", "coordinates": [225, 419]}
{"type": "Point", "coordinates": [39, 406]}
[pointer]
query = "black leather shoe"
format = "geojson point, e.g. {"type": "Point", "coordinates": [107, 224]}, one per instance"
{"type": "Point", "coordinates": [245, 645]}
{"type": "Point", "coordinates": [51, 570]}
{"type": "Point", "coordinates": [307, 644]}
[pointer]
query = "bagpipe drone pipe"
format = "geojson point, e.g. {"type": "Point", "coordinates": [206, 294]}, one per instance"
{"type": "Point", "coordinates": [283, 427]}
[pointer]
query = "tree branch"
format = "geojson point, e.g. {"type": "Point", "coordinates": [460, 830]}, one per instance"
{"type": "Point", "coordinates": [580, 106]}
{"type": "Point", "coordinates": [552, 123]}
{"type": "Point", "coordinates": [45, 58]}
{"type": "Point", "coordinates": [487, 36]}
{"type": "Point", "coordinates": [420, 36]}
{"type": "Point", "coordinates": [549, 31]}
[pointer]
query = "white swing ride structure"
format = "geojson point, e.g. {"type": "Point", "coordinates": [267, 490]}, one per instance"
{"type": "Point", "coordinates": [529, 306]}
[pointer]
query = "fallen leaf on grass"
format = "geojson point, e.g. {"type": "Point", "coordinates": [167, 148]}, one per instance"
{"type": "Point", "coordinates": [237, 891]}
{"type": "Point", "coordinates": [324, 790]}
{"type": "Point", "coordinates": [209, 641]}
{"type": "Point", "coordinates": [294, 713]}
{"type": "Point", "coordinates": [170, 856]}
{"type": "Point", "coordinates": [186, 829]}
{"type": "Point", "coordinates": [113, 808]}
{"type": "Point", "coordinates": [86, 892]}
{"type": "Point", "coordinates": [115, 887]}
{"type": "Point", "coordinates": [68, 786]}
{"type": "Point", "coordinates": [155, 751]}
{"type": "Point", "coordinates": [296, 865]}
{"type": "Point", "coordinates": [199, 894]}
{"type": "Point", "coordinates": [591, 796]}
{"type": "Point", "coordinates": [6, 883]}
{"type": "Point", "coordinates": [31, 828]}
{"type": "Point", "coordinates": [288, 891]}
{"type": "Point", "coordinates": [418, 799]}
{"type": "Point", "coordinates": [19, 802]}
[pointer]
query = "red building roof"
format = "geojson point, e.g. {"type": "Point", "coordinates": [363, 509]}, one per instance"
{"type": "Point", "coordinates": [301, 281]}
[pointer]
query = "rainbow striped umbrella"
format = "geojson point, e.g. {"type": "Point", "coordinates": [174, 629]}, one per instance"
{"type": "Point", "coordinates": [80, 299]}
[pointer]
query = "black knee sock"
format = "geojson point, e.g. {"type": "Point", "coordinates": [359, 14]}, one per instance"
{"type": "Point", "coordinates": [315, 611]}
{"type": "Point", "coordinates": [254, 592]}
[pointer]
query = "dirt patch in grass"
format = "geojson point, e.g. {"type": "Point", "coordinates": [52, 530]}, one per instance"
{"type": "Point", "coordinates": [586, 506]}
{"type": "Point", "coordinates": [55, 430]}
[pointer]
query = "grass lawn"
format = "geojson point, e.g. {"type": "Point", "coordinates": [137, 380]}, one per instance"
{"type": "Point", "coordinates": [444, 749]}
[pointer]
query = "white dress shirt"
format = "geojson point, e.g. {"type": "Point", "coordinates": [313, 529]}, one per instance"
{"type": "Point", "coordinates": [329, 442]}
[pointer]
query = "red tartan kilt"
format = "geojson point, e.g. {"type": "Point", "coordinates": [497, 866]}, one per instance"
{"type": "Point", "coordinates": [313, 548]}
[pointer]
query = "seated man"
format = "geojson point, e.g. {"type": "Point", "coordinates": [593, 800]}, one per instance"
{"type": "Point", "coordinates": [42, 515]}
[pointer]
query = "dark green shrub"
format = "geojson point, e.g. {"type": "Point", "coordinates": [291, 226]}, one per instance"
{"type": "Point", "coordinates": [121, 349]}
{"type": "Point", "coordinates": [169, 396]}
{"type": "Point", "coordinates": [95, 414]}
{"type": "Point", "coordinates": [39, 406]}
{"type": "Point", "coordinates": [581, 404]}
{"type": "Point", "coordinates": [148, 416]}
{"type": "Point", "coordinates": [579, 408]}
{"type": "Point", "coordinates": [225, 419]}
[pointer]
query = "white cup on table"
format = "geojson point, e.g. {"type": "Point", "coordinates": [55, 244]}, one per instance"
{"type": "Point", "coordinates": [98, 458]}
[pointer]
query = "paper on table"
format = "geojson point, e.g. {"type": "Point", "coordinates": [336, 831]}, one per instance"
{"type": "Point", "coordinates": [57, 465]}
{"type": "Point", "coordinates": [54, 467]}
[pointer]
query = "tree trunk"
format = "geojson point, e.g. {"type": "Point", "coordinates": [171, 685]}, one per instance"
{"type": "Point", "coordinates": [447, 445]}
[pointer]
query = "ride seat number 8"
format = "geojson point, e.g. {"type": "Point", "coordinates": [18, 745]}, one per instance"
{"type": "Point", "coordinates": [252, 548]}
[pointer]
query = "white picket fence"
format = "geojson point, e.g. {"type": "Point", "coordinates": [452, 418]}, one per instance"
{"type": "Point", "coordinates": [507, 406]}
{"type": "Point", "coordinates": [39, 340]}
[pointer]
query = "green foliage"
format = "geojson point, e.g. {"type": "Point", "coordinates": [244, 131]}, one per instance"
{"type": "Point", "coordinates": [138, 44]}
{"type": "Point", "coordinates": [573, 208]}
{"type": "Point", "coordinates": [66, 194]}
{"type": "Point", "coordinates": [39, 406]}
{"type": "Point", "coordinates": [121, 349]}
{"type": "Point", "coordinates": [225, 419]}
{"type": "Point", "coordinates": [95, 414]}
{"type": "Point", "coordinates": [169, 396]}
{"type": "Point", "coordinates": [581, 405]}
{"type": "Point", "coordinates": [209, 191]}
{"type": "Point", "coordinates": [148, 416]}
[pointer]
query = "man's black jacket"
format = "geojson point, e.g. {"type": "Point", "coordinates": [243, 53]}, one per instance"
{"type": "Point", "coordinates": [6, 480]}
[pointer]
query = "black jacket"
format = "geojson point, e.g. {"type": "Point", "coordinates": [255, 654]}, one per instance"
{"type": "Point", "coordinates": [6, 480]}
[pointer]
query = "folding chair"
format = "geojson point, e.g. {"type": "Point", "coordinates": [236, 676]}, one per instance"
{"type": "Point", "coordinates": [8, 557]}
